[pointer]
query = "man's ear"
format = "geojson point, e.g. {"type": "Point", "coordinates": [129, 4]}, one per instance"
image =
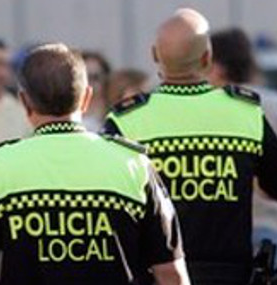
{"type": "Point", "coordinates": [155, 54]}
{"type": "Point", "coordinates": [156, 60]}
{"type": "Point", "coordinates": [85, 104]}
{"type": "Point", "coordinates": [206, 60]}
{"type": "Point", "coordinates": [23, 97]}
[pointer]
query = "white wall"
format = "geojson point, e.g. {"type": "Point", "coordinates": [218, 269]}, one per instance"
{"type": "Point", "coordinates": [121, 29]}
{"type": "Point", "coordinates": [7, 20]}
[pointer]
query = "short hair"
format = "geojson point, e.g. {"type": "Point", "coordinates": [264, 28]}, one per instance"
{"type": "Point", "coordinates": [232, 49]}
{"type": "Point", "coordinates": [91, 55]}
{"type": "Point", "coordinates": [54, 78]}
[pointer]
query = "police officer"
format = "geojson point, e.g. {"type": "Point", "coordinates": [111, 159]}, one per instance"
{"type": "Point", "coordinates": [76, 208]}
{"type": "Point", "coordinates": [207, 143]}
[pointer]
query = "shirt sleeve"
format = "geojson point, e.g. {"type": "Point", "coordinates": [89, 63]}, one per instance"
{"type": "Point", "coordinates": [267, 164]}
{"type": "Point", "coordinates": [161, 237]}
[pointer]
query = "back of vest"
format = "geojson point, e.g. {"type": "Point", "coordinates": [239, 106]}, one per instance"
{"type": "Point", "coordinates": [205, 144]}
{"type": "Point", "coordinates": [66, 216]}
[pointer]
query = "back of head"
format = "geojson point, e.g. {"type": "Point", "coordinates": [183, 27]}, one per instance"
{"type": "Point", "coordinates": [182, 43]}
{"type": "Point", "coordinates": [54, 79]}
{"type": "Point", "coordinates": [233, 52]}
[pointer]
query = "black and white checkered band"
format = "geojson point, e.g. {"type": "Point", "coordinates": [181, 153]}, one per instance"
{"type": "Point", "coordinates": [59, 127]}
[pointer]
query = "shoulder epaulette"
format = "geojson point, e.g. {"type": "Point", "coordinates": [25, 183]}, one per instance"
{"type": "Point", "coordinates": [125, 142]}
{"type": "Point", "coordinates": [243, 93]}
{"type": "Point", "coordinates": [9, 142]}
{"type": "Point", "coordinates": [131, 103]}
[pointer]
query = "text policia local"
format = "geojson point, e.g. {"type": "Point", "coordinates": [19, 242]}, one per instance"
{"type": "Point", "coordinates": [60, 235]}
{"type": "Point", "coordinates": [208, 178]}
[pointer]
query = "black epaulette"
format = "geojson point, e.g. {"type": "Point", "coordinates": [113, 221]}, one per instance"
{"type": "Point", "coordinates": [243, 94]}
{"type": "Point", "coordinates": [129, 104]}
{"type": "Point", "coordinates": [126, 142]}
{"type": "Point", "coordinates": [9, 142]}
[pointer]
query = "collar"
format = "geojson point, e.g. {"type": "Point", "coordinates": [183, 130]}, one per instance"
{"type": "Point", "coordinates": [59, 128]}
{"type": "Point", "coordinates": [192, 89]}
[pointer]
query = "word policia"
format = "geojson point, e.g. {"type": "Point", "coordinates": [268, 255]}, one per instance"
{"type": "Point", "coordinates": [51, 230]}
{"type": "Point", "coordinates": [209, 178]}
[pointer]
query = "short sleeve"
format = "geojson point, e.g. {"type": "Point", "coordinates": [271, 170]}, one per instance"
{"type": "Point", "coordinates": [161, 238]}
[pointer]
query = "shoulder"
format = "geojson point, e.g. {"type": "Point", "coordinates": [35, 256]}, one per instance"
{"type": "Point", "coordinates": [125, 143]}
{"type": "Point", "coordinates": [132, 103]}
{"type": "Point", "coordinates": [9, 143]}
{"type": "Point", "coordinates": [13, 151]}
{"type": "Point", "coordinates": [243, 93]}
{"type": "Point", "coordinates": [10, 153]}
{"type": "Point", "coordinates": [120, 151]}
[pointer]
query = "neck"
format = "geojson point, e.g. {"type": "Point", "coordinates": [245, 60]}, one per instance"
{"type": "Point", "coordinates": [40, 120]}
{"type": "Point", "coordinates": [183, 79]}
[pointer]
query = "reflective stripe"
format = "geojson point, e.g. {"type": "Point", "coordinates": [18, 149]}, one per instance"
{"type": "Point", "coordinates": [72, 161]}
{"type": "Point", "coordinates": [211, 114]}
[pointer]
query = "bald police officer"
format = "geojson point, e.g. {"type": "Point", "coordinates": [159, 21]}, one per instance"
{"type": "Point", "coordinates": [207, 143]}
{"type": "Point", "coordinates": [75, 208]}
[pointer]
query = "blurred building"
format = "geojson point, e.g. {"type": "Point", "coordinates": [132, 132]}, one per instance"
{"type": "Point", "coordinates": [122, 29]}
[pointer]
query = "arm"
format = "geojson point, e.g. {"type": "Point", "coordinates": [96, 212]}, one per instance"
{"type": "Point", "coordinates": [267, 164]}
{"type": "Point", "coordinates": [161, 238]}
{"type": "Point", "coordinates": [171, 273]}
{"type": "Point", "coordinates": [269, 102]}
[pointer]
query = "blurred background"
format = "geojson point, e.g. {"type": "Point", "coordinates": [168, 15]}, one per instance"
{"type": "Point", "coordinates": [115, 38]}
{"type": "Point", "coordinates": [123, 29]}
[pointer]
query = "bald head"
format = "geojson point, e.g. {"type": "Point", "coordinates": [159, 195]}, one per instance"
{"type": "Point", "coordinates": [183, 44]}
